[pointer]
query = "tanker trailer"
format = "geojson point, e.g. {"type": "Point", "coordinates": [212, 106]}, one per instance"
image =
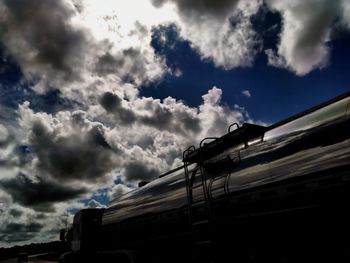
{"type": "Point", "coordinates": [279, 193]}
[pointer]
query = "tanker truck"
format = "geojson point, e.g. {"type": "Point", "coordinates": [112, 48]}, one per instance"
{"type": "Point", "coordinates": [279, 193]}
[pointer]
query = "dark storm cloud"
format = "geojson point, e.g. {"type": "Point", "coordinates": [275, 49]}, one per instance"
{"type": "Point", "coordinates": [163, 118]}
{"type": "Point", "coordinates": [108, 64]}
{"type": "Point", "coordinates": [218, 8]}
{"type": "Point", "coordinates": [159, 117]}
{"type": "Point", "coordinates": [136, 65]}
{"type": "Point", "coordinates": [98, 139]}
{"type": "Point", "coordinates": [15, 227]}
{"type": "Point", "coordinates": [145, 142]}
{"type": "Point", "coordinates": [15, 212]}
{"type": "Point", "coordinates": [43, 28]}
{"type": "Point", "coordinates": [81, 155]}
{"type": "Point", "coordinates": [130, 65]}
{"type": "Point", "coordinates": [113, 104]}
{"type": "Point", "coordinates": [39, 194]}
{"type": "Point", "coordinates": [137, 171]}
{"type": "Point", "coordinates": [16, 232]}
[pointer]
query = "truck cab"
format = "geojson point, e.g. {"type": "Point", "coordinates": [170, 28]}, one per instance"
{"type": "Point", "coordinates": [86, 230]}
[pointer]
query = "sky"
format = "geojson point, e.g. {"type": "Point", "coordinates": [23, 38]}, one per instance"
{"type": "Point", "coordinates": [95, 98]}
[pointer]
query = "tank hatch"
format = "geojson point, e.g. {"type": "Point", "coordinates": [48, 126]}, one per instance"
{"type": "Point", "coordinates": [240, 135]}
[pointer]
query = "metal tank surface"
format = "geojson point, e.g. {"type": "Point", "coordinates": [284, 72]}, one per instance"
{"type": "Point", "coordinates": [163, 194]}
{"type": "Point", "coordinates": [312, 143]}
{"type": "Point", "coordinates": [279, 193]}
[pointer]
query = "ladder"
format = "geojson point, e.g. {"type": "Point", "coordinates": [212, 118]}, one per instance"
{"type": "Point", "coordinates": [199, 220]}
{"type": "Point", "coordinates": [190, 176]}
{"type": "Point", "coordinates": [207, 169]}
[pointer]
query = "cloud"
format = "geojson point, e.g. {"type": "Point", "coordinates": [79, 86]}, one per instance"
{"type": "Point", "coordinates": [21, 225]}
{"type": "Point", "coordinates": [169, 115]}
{"type": "Point", "coordinates": [172, 116]}
{"type": "Point", "coordinates": [68, 55]}
{"type": "Point", "coordinates": [43, 39]}
{"type": "Point", "coordinates": [118, 190]}
{"type": "Point", "coordinates": [177, 72]}
{"type": "Point", "coordinates": [246, 93]}
{"type": "Point", "coordinates": [38, 193]}
{"type": "Point", "coordinates": [137, 171]}
{"type": "Point", "coordinates": [216, 9]}
{"type": "Point", "coordinates": [73, 147]}
{"type": "Point", "coordinates": [4, 136]}
{"type": "Point", "coordinates": [220, 31]}
{"type": "Point", "coordinates": [215, 117]}
{"type": "Point", "coordinates": [306, 31]}
{"type": "Point", "coordinates": [94, 204]}
{"type": "Point", "coordinates": [132, 65]}
{"type": "Point", "coordinates": [87, 49]}
{"type": "Point", "coordinates": [68, 147]}
{"type": "Point", "coordinates": [9, 151]}
{"type": "Point", "coordinates": [15, 232]}
{"type": "Point", "coordinates": [113, 105]}
{"type": "Point", "coordinates": [274, 60]}
{"type": "Point", "coordinates": [15, 212]}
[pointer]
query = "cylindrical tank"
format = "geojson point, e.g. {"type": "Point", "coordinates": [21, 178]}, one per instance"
{"type": "Point", "coordinates": [311, 143]}
{"type": "Point", "coordinates": [291, 165]}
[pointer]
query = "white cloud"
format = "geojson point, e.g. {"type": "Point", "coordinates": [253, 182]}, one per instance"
{"type": "Point", "coordinates": [177, 72]}
{"type": "Point", "coordinates": [95, 204]}
{"type": "Point", "coordinates": [246, 93]}
{"type": "Point", "coordinates": [220, 31]}
{"type": "Point", "coordinates": [118, 190]}
{"type": "Point", "coordinates": [103, 47]}
{"type": "Point", "coordinates": [75, 148]}
{"type": "Point", "coordinates": [91, 48]}
{"type": "Point", "coordinates": [306, 30]}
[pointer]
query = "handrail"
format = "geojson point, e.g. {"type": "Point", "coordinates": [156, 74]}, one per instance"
{"type": "Point", "coordinates": [233, 124]}
{"type": "Point", "coordinates": [188, 150]}
{"type": "Point", "coordinates": [207, 138]}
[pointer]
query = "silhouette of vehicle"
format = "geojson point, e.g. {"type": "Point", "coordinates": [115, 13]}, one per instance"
{"type": "Point", "coordinates": [278, 194]}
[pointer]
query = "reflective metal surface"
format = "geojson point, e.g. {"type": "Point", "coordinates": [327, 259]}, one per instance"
{"type": "Point", "coordinates": [316, 142]}
{"type": "Point", "coordinates": [163, 194]}
{"type": "Point", "coordinates": [310, 144]}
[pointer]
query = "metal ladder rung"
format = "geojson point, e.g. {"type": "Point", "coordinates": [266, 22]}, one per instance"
{"type": "Point", "coordinates": [194, 187]}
